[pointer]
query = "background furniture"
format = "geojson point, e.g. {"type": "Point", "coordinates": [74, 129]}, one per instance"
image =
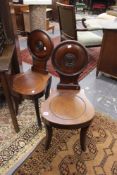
{"type": "Point", "coordinates": [10, 59]}
{"type": "Point", "coordinates": [54, 8]}
{"type": "Point", "coordinates": [49, 13]}
{"type": "Point", "coordinates": [23, 21]}
{"type": "Point", "coordinates": [20, 12]}
{"type": "Point", "coordinates": [30, 16]}
{"type": "Point", "coordinates": [36, 82]}
{"type": "Point", "coordinates": [107, 62]}
{"type": "Point", "coordinates": [68, 29]}
{"type": "Point", "coordinates": [37, 11]}
{"type": "Point", "coordinates": [6, 61]}
{"type": "Point", "coordinates": [49, 25]}
{"type": "Point", "coordinates": [99, 6]}
{"type": "Point", "coordinates": [67, 107]}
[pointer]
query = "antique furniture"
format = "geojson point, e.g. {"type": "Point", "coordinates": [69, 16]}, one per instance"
{"type": "Point", "coordinates": [107, 61]}
{"type": "Point", "coordinates": [37, 10]}
{"type": "Point", "coordinates": [6, 60]}
{"type": "Point", "coordinates": [36, 82]}
{"type": "Point", "coordinates": [20, 10]}
{"type": "Point", "coordinates": [54, 8]}
{"type": "Point", "coordinates": [68, 30]}
{"type": "Point", "coordinates": [9, 59]}
{"type": "Point", "coordinates": [67, 106]}
{"type": "Point", "coordinates": [22, 13]}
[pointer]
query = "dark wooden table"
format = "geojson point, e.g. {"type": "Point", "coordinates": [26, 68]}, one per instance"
{"type": "Point", "coordinates": [7, 64]}
{"type": "Point", "coordinates": [67, 109]}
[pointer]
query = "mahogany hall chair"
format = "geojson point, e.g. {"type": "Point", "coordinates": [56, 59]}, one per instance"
{"type": "Point", "coordinates": [68, 29]}
{"type": "Point", "coordinates": [67, 106]}
{"type": "Point", "coordinates": [36, 82]}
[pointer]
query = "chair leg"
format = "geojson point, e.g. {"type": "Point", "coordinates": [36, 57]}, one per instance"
{"type": "Point", "coordinates": [83, 133]}
{"type": "Point", "coordinates": [17, 100]}
{"type": "Point", "coordinates": [37, 112]}
{"type": "Point", "coordinates": [47, 93]}
{"type": "Point", "coordinates": [16, 104]}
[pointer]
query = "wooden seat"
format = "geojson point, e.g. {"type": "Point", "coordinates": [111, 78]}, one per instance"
{"type": "Point", "coordinates": [36, 82]}
{"type": "Point", "coordinates": [67, 106]}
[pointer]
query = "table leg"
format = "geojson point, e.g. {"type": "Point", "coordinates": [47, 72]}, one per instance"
{"type": "Point", "coordinates": [48, 135]}
{"type": "Point", "coordinates": [6, 90]}
{"type": "Point", "coordinates": [83, 133]}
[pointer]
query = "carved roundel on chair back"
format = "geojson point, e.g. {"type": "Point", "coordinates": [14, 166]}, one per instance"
{"type": "Point", "coordinates": [40, 44]}
{"type": "Point", "coordinates": [69, 58]}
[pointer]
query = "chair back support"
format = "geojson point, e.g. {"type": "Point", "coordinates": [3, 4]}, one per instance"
{"type": "Point", "coordinates": [67, 21]}
{"type": "Point", "coordinates": [40, 47]}
{"type": "Point", "coordinates": [69, 58]}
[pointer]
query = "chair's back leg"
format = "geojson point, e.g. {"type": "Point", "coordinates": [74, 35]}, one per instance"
{"type": "Point", "coordinates": [47, 93]}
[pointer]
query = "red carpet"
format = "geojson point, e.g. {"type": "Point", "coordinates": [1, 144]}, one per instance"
{"type": "Point", "coordinates": [93, 57]}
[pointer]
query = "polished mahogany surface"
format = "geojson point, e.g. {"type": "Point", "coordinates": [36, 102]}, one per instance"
{"type": "Point", "coordinates": [69, 59]}
{"type": "Point", "coordinates": [67, 106]}
{"type": "Point", "coordinates": [36, 82]}
{"type": "Point", "coordinates": [40, 47]}
{"type": "Point", "coordinates": [30, 83]}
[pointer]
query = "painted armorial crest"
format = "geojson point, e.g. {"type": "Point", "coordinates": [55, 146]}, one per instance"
{"type": "Point", "coordinates": [40, 46]}
{"type": "Point", "coordinates": [69, 59]}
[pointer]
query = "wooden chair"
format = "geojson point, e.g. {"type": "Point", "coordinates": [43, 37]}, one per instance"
{"type": "Point", "coordinates": [36, 82]}
{"type": "Point", "coordinates": [67, 106]}
{"type": "Point", "coordinates": [68, 30]}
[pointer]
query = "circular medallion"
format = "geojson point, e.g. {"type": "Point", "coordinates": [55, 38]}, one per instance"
{"type": "Point", "coordinates": [40, 44]}
{"type": "Point", "coordinates": [69, 58]}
